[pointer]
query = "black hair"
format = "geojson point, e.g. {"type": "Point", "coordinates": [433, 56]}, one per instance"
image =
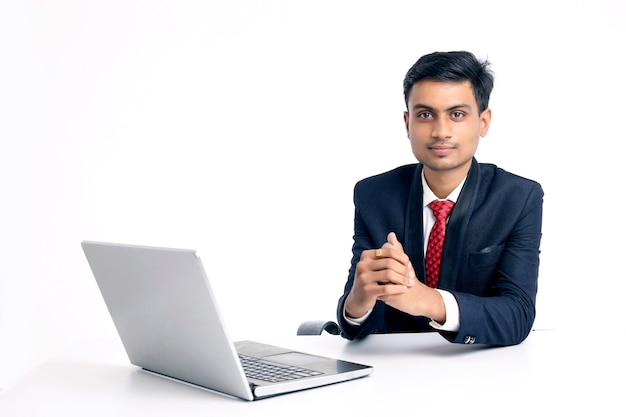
{"type": "Point", "coordinates": [456, 66]}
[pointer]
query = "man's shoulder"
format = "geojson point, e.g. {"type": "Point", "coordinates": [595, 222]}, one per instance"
{"type": "Point", "coordinates": [503, 188]}
{"type": "Point", "coordinates": [402, 174]}
{"type": "Point", "coordinates": [386, 191]}
{"type": "Point", "coordinates": [499, 176]}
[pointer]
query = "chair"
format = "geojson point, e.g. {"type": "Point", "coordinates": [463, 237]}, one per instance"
{"type": "Point", "coordinates": [317, 327]}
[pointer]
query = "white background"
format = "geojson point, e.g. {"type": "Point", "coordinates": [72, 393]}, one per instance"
{"type": "Point", "coordinates": [238, 128]}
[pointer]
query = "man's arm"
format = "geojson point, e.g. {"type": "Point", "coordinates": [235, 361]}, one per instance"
{"type": "Point", "coordinates": [506, 314]}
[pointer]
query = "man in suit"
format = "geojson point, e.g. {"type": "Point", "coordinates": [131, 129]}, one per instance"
{"type": "Point", "coordinates": [484, 287]}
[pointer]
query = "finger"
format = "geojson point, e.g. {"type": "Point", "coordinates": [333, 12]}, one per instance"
{"type": "Point", "coordinates": [393, 273]}
{"type": "Point", "coordinates": [384, 252]}
{"type": "Point", "coordinates": [384, 271]}
{"type": "Point", "coordinates": [411, 280]}
{"type": "Point", "coordinates": [388, 250]}
{"type": "Point", "coordinates": [388, 245]}
{"type": "Point", "coordinates": [385, 291]}
{"type": "Point", "coordinates": [369, 254]}
{"type": "Point", "coordinates": [381, 271]}
{"type": "Point", "coordinates": [393, 240]}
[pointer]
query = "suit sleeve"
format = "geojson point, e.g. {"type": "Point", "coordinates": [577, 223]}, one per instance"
{"type": "Point", "coordinates": [506, 314]}
{"type": "Point", "coordinates": [362, 241]}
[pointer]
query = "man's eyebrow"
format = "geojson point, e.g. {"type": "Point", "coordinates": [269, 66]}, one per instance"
{"type": "Point", "coordinates": [420, 106]}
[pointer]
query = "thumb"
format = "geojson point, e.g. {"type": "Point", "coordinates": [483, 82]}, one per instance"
{"type": "Point", "coordinates": [393, 240]}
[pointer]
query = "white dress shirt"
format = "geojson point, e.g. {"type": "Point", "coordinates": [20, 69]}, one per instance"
{"type": "Point", "coordinates": [452, 307]}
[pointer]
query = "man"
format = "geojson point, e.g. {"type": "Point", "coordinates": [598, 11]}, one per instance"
{"type": "Point", "coordinates": [484, 285]}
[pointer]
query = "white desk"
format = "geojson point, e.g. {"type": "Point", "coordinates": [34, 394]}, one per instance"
{"type": "Point", "coordinates": [417, 374]}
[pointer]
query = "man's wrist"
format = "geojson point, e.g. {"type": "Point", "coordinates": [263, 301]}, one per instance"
{"type": "Point", "coordinates": [452, 316]}
{"type": "Point", "coordinates": [357, 321]}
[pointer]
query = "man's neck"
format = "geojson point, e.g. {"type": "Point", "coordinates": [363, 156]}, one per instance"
{"type": "Point", "coordinates": [442, 183]}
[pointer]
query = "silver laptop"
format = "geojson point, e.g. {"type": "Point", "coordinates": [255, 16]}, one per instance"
{"type": "Point", "coordinates": [169, 322]}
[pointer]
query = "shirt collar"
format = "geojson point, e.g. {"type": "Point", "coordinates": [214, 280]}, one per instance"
{"type": "Point", "coordinates": [429, 196]}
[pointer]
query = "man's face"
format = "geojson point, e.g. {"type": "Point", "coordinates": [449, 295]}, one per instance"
{"type": "Point", "coordinates": [444, 126]}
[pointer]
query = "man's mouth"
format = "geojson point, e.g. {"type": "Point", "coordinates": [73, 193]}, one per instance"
{"type": "Point", "coordinates": [441, 150]}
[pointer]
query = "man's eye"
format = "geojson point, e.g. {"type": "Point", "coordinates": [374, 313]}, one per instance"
{"type": "Point", "coordinates": [457, 115]}
{"type": "Point", "coordinates": [425, 115]}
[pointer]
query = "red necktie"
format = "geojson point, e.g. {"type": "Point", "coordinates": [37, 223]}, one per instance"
{"type": "Point", "coordinates": [441, 210]}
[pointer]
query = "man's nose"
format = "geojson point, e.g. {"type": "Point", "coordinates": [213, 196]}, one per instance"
{"type": "Point", "coordinates": [442, 129]}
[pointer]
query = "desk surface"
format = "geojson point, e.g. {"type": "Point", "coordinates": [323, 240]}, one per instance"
{"type": "Point", "coordinates": [416, 373]}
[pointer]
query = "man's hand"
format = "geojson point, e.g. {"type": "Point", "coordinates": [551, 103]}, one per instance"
{"type": "Point", "coordinates": [380, 273]}
{"type": "Point", "coordinates": [386, 274]}
{"type": "Point", "coordinates": [419, 299]}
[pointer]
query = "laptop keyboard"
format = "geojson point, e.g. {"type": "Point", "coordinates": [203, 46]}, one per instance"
{"type": "Point", "coordinates": [273, 372]}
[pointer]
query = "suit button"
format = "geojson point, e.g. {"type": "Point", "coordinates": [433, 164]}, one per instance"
{"type": "Point", "coordinates": [469, 340]}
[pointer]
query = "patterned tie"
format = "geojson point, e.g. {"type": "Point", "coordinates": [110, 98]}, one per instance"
{"type": "Point", "coordinates": [441, 210]}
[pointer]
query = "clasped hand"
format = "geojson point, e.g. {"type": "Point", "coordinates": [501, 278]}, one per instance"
{"type": "Point", "coordinates": [387, 274]}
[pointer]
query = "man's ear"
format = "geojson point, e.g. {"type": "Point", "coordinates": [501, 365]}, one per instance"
{"type": "Point", "coordinates": [485, 121]}
{"type": "Point", "coordinates": [406, 122]}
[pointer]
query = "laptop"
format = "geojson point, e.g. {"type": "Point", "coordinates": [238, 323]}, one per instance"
{"type": "Point", "coordinates": [167, 317]}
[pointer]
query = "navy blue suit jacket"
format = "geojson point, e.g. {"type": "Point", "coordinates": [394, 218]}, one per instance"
{"type": "Point", "coordinates": [490, 260]}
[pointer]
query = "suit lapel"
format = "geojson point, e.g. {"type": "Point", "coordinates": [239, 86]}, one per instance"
{"type": "Point", "coordinates": [414, 228]}
{"type": "Point", "coordinates": [457, 226]}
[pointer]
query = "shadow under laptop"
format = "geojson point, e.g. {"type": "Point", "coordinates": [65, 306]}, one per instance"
{"type": "Point", "coordinates": [143, 382]}
{"type": "Point", "coordinates": [121, 383]}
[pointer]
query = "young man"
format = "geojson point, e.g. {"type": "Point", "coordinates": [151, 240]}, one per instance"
{"type": "Point", "coordinates": [482, 286]}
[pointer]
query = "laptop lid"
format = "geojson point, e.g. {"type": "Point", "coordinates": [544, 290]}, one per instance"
{"type": "Point", "coordinates": [167, 317]}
